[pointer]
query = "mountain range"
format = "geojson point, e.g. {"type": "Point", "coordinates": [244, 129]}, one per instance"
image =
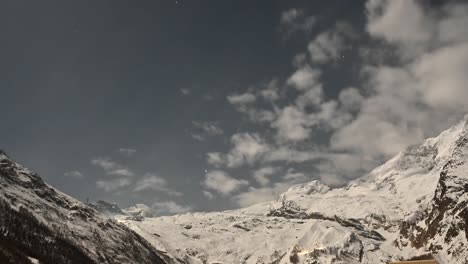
{"type": "Point", "coordinates": [414, 206]}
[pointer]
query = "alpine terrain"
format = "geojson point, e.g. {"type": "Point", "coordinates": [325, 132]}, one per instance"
{"type": "Point", "coordinates": [414, 206]}
{"type": "Point", "coordinates": [39, 224]}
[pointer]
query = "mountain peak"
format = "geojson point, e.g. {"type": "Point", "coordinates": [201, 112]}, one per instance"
{"type": "Point", "coordinates": [53, 227]}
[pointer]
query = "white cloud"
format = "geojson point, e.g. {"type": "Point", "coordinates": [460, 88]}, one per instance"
{"type": "Point", "coordinates": [310, 98]}
{"type": "Point", "coordinates": [259, 195]}
{"type": "Point", "coordinates": [329, 45]}
{"type": "Point", "coordinates": [399, 21]}
{"type": "Point", "coordinates": [240, 99]}
{"type": "Point", "coordinates": [215, 158]}
{"type": "Point", "coordinates": [415, 88]}
{"type": "Point", "coordinates": [206, 129]}
{"type": "Point", "coordinates": [222, 183]}
{"type": "Point", "coordinates": [290, 16]}
{"type": "Point", "coordinates": [419, 96]}
{"type": "Point", "coordinates": [442, 76]}
{"type": "Point", "coordinates": [304, 78]}
{"type": "Point", "coordinates": [292, 124]}
{"type": "Point", "coordinates": [264, 194]}
{"type": "Point", "coordinates": [294, 20]}
{"type": "Point", "coordinates": [351, 99]}
{"type": "Point", "coordinates": [111, 167]}
{"type": "Point", "coordinates": [105, 163]}
{"type": "Point", "coordinates": [74, 174]}
{"type": "Point", "coordinates": [170, 207]}
{"type": "Point", "coordinates": [208, 195]}
{"type": "Point", "coordinates": [185, 91]}
{"type": "Point", "coordinates": [290, 154]}
{"type": "Point", "coordinates": [246, 149]}
{"type": "Point", "coordinates": [262, 175]}
{"type": "Point", "coordinates": [114, 184]}
{"type": "Point", "coordinates": [155, 183]}
{"type": "Point", "coordinates": [128, 152]}
{"type": "Point", "coordinates": [122, 172]}
{"type": "Point", "coordinates": [245, 103]}
{"type": "Point", "coordinates": [272, 91]}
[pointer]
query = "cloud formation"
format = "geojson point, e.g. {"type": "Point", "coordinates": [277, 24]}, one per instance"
{"type": "Point", "coordinates": [153, 182]}
{"type": "Point", "coordinates": [328, 46]}
{"type": "Point", "coordinates": [415, 88]}
{"type": "Point", "coordinates": [170, 207]}
{"type": "Point", "coordinates": [294, 20]}
{"type": "Point", "coordinates": [203, 130]}
{"type": "Point", "coordinates": [113, 184]}
{"type": "Point", "coordinates": [127, 152]}
{"type": "Point", "coordinates": [246, 149]}
{"type": "Point", "coordinates": [111, 167]}
{"type": "Point", "coordinates": [74, 174]}
{"type": "Point", "coordinates": [222, 183]}
{"type": "Point", "coordinates": [185, 91]}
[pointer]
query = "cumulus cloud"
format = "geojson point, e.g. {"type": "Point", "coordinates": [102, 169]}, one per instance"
{"type": "Point", "coordinates": [262, 175]}
{"type": "Point", "coordinates": [74, 174]}
{"type": "Point", "coordinates": [245, 103]}
{"type": "Point", "coordinates": [246, 148]}
{"type": "Point", "coordinates": [127, 152]}
{"type": "Point", "coordinates": [208, 195]}
{"type": "Point", "coordinates": [351, 99]}
{"type": "Point", "coordinates": [417, 97]}
{"type": "Point", "coordinates": [206, 129]}
{"type": "Point", "coordinates": [222, 183]}
{"type": "Point", "coordinates": [241, 99]}
{"type": "Point", "coordinates": [268, 193]}
{"type": "Point", "coordinates": [114, 184]}
{"type": "Point", "coordinates": [399, 21]}
{"type": "Point", "coordinates": [153, 182]}
{"type": "Point", "coordinates": [294, 20]}
{"type": "Point", "coordinates": [111, 167]}
{"type": "Point", "coordinates": [305, 78]}
{"type": "Point", "coordinates": [420, 96]}
{"type": "Point", "coordinates": [329, 45]}
{"type": "Point", "coordinates": [272, 91]}
{"type": "Point", "coordinates": [169, 208]}
{"type": "Point", "coordinates": [292, 124]}
{"type": "Point", "coordinates": [185, 91]}
{"type": "Point", "coordinates": [415, 89]}
{"type": "Point", "coordinates": [258, 195]}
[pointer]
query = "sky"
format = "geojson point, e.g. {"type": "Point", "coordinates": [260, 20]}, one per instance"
{"type": "Point", "coordinates": [202, 105]}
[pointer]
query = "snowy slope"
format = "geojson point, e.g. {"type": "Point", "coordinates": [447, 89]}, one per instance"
{"type": "Point", "coordinates": [413, 205]}
{"type": "Point", "coordinates": [39, 222]}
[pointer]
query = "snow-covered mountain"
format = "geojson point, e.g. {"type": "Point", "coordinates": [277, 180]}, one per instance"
{"type": "Point", "coordinates": [39, 224]}
{"type": "Point", "coordinates": [414, 205]}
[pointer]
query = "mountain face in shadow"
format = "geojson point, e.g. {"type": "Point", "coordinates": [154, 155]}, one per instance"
{"type": "Point", "coordinates": [41, 224]}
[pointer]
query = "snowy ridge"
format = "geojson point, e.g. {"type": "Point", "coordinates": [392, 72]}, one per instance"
{"type": "Point", "coordinates": [51, 227]}
{"type": "Point", "coordinates": [415, 204]}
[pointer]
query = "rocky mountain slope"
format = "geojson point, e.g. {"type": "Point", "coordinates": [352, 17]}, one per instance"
{"type": "Point", "coordinates": [39, 224]}
{"type": "Point", "coordinates": [414, 205]}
